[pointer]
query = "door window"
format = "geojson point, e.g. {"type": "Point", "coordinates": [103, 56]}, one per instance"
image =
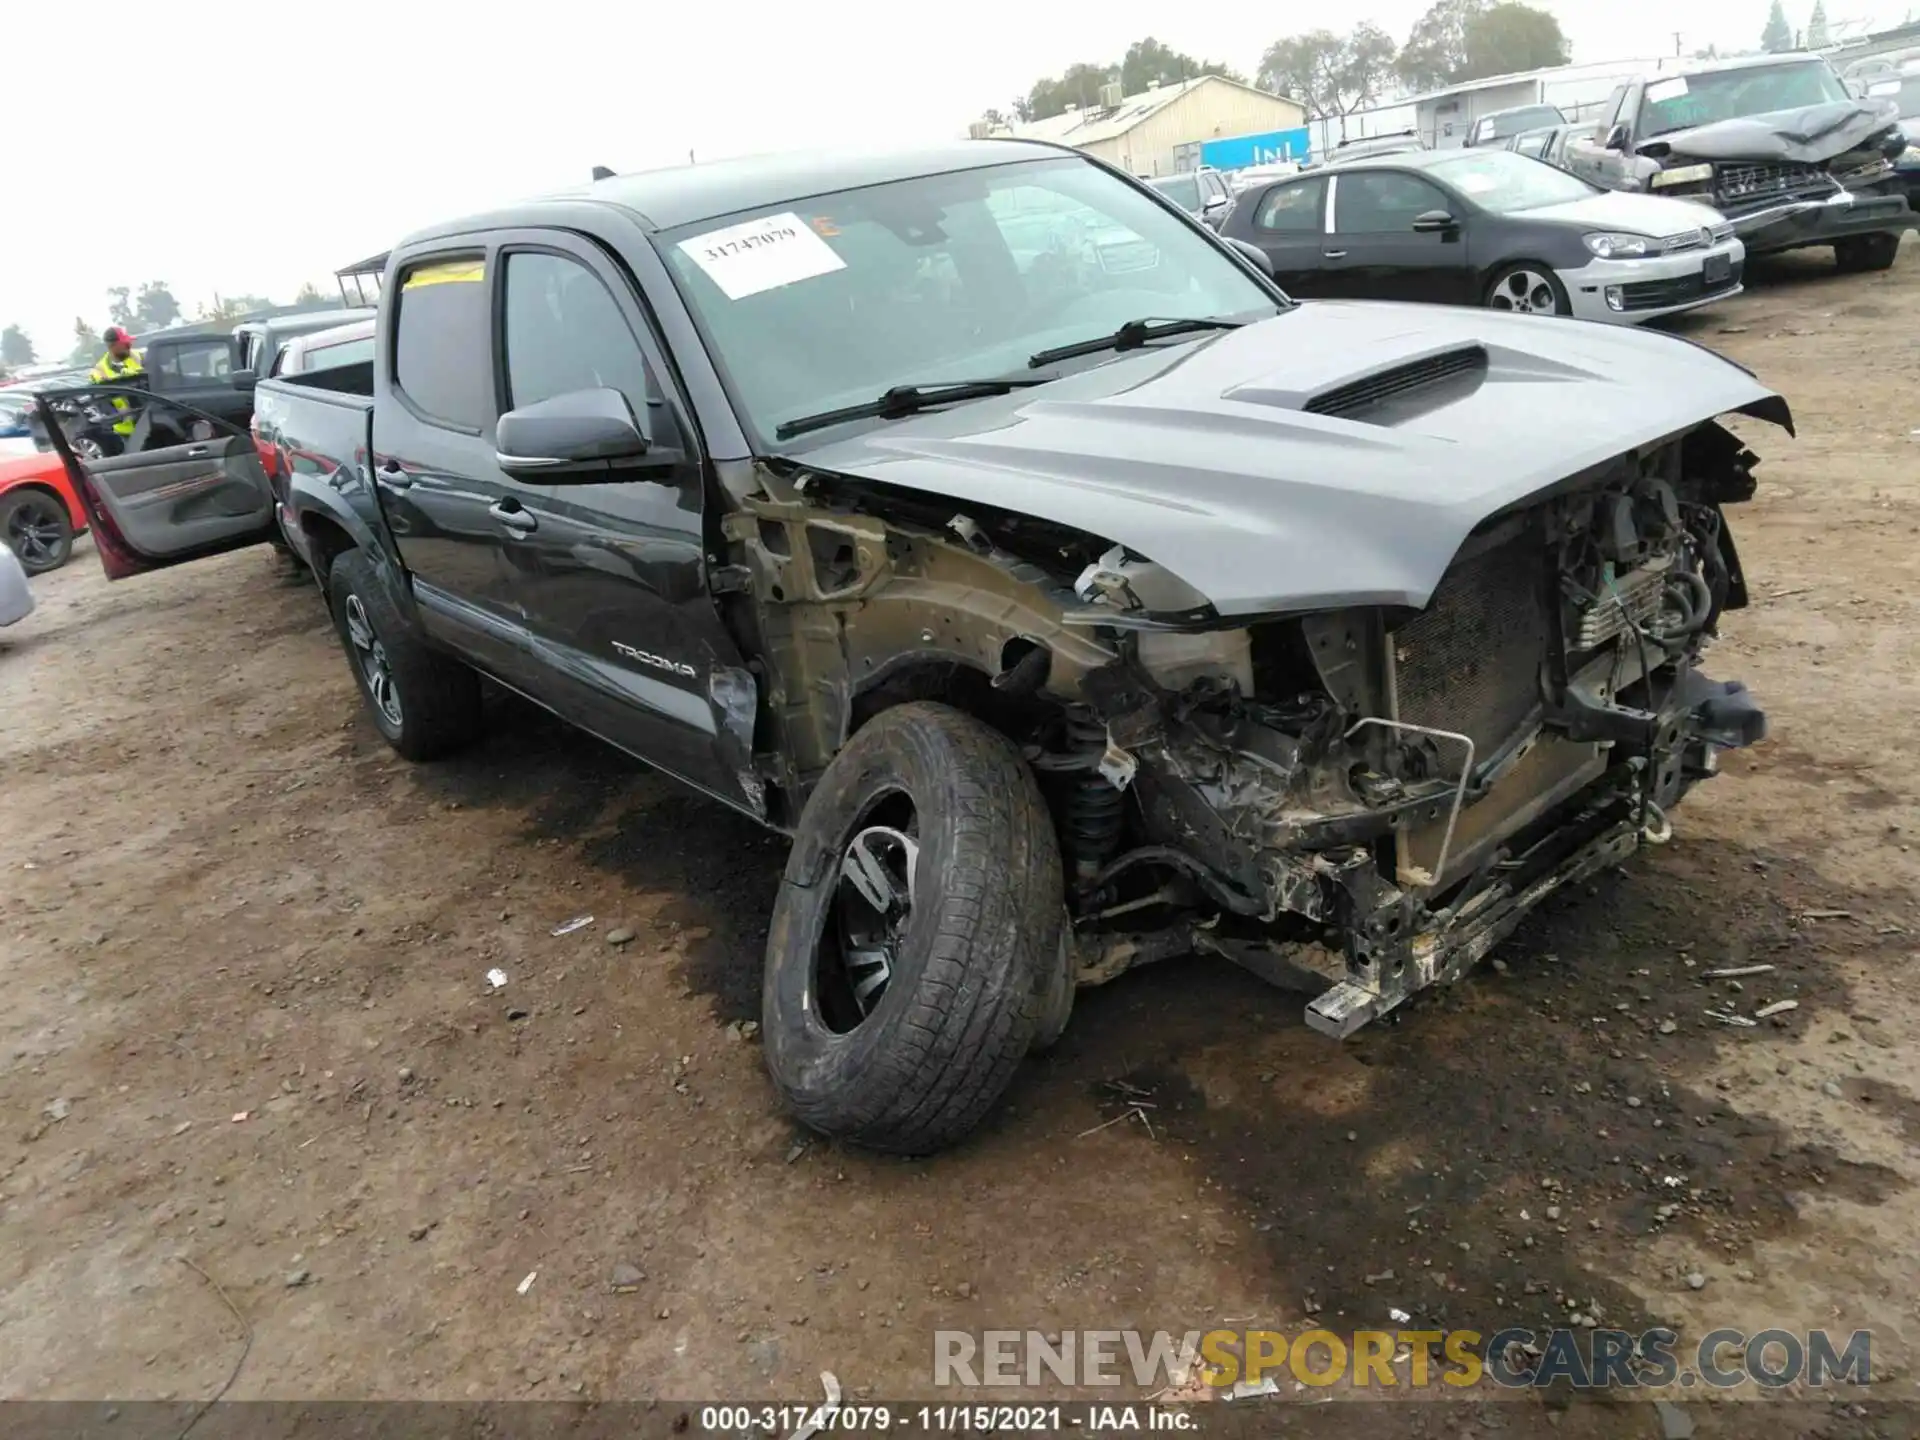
{"type": "Point", "coordinates": [1381, 201]}
{"type": "Point", "coordinates": [1292, 209]}
{"type": "Point", "coordinates": [196, 361]}
{"type": "Point", "coordinates": [441, 347]}
{"type": "Point", "coordinates": [566, 332]}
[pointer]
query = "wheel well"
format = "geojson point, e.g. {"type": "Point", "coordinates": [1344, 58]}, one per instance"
{"type": "Point", "coordinates": [78, 520]}
{"type": "Point", "coordinates": [950, 682]}
{"type": "Point", "coordinates": [326, 542]}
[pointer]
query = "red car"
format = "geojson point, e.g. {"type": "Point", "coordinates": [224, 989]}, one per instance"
{"type": "Point", "coordinates": [39, 511]}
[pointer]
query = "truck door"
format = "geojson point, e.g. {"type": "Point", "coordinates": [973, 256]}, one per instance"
{"type": "Point", "coordinates": [624, 630]}
{"type": "Point", "coordinates": [184, 485]}
{"type": "Point", "coordinates": [463, 528]}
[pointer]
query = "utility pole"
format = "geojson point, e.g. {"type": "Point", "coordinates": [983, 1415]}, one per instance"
{"type": "Point", "coordinates": [1676, 44]}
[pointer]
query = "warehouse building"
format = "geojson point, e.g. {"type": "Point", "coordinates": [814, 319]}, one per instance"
{"type": "Point", "coordinates": [1160, 130]}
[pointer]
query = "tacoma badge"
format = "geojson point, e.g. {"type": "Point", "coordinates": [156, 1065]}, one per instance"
{"type": "Point", "coordinates": [672, 667]}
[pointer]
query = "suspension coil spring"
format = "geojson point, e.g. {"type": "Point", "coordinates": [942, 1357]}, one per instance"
{"type": "Point", "coordinates": [1093, 806]}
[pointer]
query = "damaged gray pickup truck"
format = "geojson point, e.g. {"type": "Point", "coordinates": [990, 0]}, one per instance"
{"type": "Point", "coordinates": [1071, 597]}
{"type": "Point", "coordinates": [1774, 142]}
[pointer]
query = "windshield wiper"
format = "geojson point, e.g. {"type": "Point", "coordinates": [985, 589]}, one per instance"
{"type": "Point", "coordinates": [1131, 336]}
{"type": "Point", "coordinates": [903, 400]}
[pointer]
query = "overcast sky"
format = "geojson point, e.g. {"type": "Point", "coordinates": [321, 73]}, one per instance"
{"type": "Point", "coordinates": [417, 111]}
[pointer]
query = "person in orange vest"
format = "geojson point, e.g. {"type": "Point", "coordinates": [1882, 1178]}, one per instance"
{"type": "Point", "coordinates": [120, 361]}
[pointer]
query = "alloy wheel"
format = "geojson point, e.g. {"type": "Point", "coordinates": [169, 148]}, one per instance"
{"type": "Point", "coordinates": [372, 658]}
{"type": "Point", "coordinates": [36, 531]}
{"type": "Point", "coordinates": [1524, 292]}
{"type": "Point", "coordinates": [873, 904]}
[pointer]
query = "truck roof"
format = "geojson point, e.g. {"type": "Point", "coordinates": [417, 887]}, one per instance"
{"type": "Point", "coordinates": [683, 194]}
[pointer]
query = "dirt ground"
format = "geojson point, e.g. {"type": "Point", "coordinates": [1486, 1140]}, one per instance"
{"type": "Point", "coordinates": [245, 1025]}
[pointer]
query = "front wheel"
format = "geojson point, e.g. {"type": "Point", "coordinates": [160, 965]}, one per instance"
{"type": "Point", "coordinates": [1861, 253]}
{"type": "Point", "coordinates": [36, 527]}
{"type": "Point", "coordinates": [916, 940]}
{"type": "Point", "coordinates": [424, 703]}
{"type": "Point", "coordinates": [1528, 289]}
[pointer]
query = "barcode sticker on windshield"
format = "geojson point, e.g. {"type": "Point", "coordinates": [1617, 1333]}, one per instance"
{"type": "Point", "coordinates": [1670, 89]}
{"type": "Point", "coordinates": [762, 254]}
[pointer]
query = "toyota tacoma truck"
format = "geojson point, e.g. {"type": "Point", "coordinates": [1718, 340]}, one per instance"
{"type": "Point", "coordinates": [1773, 142]}
{"type": "Point", "coordinates": [1066, 620]}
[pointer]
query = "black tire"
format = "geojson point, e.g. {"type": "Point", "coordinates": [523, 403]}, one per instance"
{"type": "Point", "coordinates": [424, 703]}
{"type": "Point", "coordinates": [972, 962]}
{"type": "Point", "coordinates": [1504, 281]}
{"type": "Point", "coordinates": [1860, 253]}
{"type": "Point", "coordinates": [34, 524]}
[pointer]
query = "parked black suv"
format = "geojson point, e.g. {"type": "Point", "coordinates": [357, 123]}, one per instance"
{"type": "Point", "coordinates": [1071, 597]}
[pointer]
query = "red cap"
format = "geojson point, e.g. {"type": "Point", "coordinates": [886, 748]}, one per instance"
{"type": "Point", "coordinates": [115, 335]}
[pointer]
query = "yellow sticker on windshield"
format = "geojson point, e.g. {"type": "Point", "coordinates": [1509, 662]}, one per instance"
{"type": "Point", "coordinates": [449, 272]}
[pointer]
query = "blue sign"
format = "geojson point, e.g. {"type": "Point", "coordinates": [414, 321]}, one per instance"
{"type": "Point", "coordinates": [1236, 152]}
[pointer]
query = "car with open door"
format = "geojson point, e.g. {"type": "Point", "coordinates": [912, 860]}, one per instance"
{"type": "Point", "coordinates": [1487, 227]}
{"type": "Point", "coordinates": [184, 485]}
{"type": "Point", "coordinates": [1500, 126]}
{"type": "Point", "coordinates": [1068, 611]}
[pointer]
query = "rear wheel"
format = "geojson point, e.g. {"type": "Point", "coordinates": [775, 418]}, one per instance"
{"type": "Point", "coordinates": [1861, 253]}
{"type": "Point", "coordinates": [915, 945]}
{"type": "Point", "coordinates": [425, 703]}
{"type": "Point", "coordinates": [1528, 289]}
{"type": "Point", "coordinates": [36, 527]}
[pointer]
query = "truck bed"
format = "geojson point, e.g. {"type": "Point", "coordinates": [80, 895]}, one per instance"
{"type": "Point", "coordinates": [314, 427]}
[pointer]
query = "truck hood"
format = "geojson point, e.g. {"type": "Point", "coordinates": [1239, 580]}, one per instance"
{"type": "Point", "coordinates": [1200, 455]}
{"type": "Point", "coordinates": [1806, 136]}
{"type": "Point", "coordinates": [1655, 215]}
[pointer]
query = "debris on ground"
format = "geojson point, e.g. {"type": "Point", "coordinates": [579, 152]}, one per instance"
{"type": "Point", "coordinates": [622, 936]}
{"type": "Point", "coordinates": [496, 979]}
{"type": "Point", "coordinates": [1729, 1018]}
{"type": "Point", "coordinates": [526, 1284]}
{"type": "Point", "coordinates": [59, 1109]}
{"type": "Point", "coordinates": [579, 922]}
{"type": "Point", "coordinates": [296, 1278]}
{"type": "Point", "coordinates": [1696, 1281]}
{"type": "Point", "coordinates": [625, 1279]}
{"type": "Point", "coordinates": [822, 1417]}
{"type": "Point", "coordinates": [1778, 1007]}
{"type": "Point", "coordinates": [1737, 972]}
{"type": "Point", "coordinates": [1675, 1423]}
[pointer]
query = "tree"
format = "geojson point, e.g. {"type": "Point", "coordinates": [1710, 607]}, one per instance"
{"type": "Point", "coordinates": [16, 346]}
{"type": "Point", "coordinates": [1148, 60]}
{"type": "Point", "coordinates": [154, 307]}
{"type": "Point", "coordinates": [1145, 61]}
{"type": "Point", "coordinates": [86, 343]}
{"type": "Point", "coordinates": [232, 307]}
{"type": "Point", "coordinates": [1330, 74]}
{"type": "Point", "coordinates": [309, 294]}
{"type": "Point", "coordinates": [1778, 35]}
{"type": "Point", "coordinates": [1436, 50]}
{"type": "Point", "coordinates": [1817, 38]}
{"type": "Point", "coordinates": [119, 307]}
{"type": "Point", "coordinates": [1510, 37]}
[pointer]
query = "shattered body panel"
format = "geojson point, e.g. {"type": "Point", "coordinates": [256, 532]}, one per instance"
{"type": "Point", "coordinates": [1318, 674]}
{"type": "Point", "coordinates": [1815, 175]}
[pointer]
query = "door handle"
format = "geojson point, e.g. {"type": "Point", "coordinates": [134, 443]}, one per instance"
{"type": "Point", "coordinates": [196, 452]}
{"type": "Point", "coordinates": [1333, 255]}
{"type": "Point", "coordinates": [394, 477]}
{"type": "Point", "coordinates": [515, 517]}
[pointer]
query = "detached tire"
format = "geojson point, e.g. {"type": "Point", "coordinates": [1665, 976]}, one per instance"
{"type": "Point", "coordinates": [1862, 253]}
{"type": "Point", "coordinates": [424, 703]}
{"type": "Point", "coordinates": [917, 934]}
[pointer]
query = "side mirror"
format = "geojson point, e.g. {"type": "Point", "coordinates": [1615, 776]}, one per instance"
{"type": "Point", "coordinates": [1253, 255]}
{"type": "Point", "coordinates": [1434, 222]}
{"type": "Point", "coordinates": [243, 379]}
{"type": "Point", "coordinates": [580, 433]}
{"type": "Point", "coordinates": [1616, 139]}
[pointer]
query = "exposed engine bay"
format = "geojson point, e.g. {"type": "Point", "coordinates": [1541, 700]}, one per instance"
{"type": "Point", "coordinates": [1357, 803]}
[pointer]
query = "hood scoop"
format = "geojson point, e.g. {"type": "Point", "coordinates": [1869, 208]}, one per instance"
{"type": "Point", "coordinates": [1399, 384]}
